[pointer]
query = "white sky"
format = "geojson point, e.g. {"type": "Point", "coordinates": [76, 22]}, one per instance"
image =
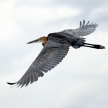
{"type": "Point", "coordinates": [79, 81]}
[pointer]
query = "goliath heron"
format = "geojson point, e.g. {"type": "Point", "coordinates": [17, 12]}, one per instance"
{"type": "Point", "coordinates": [55, 48]}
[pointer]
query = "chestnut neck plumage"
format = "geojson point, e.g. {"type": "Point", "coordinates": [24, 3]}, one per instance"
{"type": "Point", "coordinates": [44, 39]}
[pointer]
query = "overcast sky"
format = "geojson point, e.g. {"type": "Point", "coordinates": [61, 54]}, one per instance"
{"type": "Point", "coordinates": [79, 81]}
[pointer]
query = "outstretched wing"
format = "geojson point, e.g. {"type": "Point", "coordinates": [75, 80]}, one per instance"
{"type": "Point", "coordinates": [49, 57]}
{"type": "Point", "coordinates": [83, 30]}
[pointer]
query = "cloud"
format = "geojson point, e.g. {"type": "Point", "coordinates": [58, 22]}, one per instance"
{"type": "Point", "coordinates": [79, 81]}
{"type": "Point", "coordinates": [7, 26]}
{"type": "Point", "coordinates": [43, 14]}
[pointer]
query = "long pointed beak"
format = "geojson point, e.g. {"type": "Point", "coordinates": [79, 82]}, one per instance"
{"type": "Point", "coordinates": [34, 41]}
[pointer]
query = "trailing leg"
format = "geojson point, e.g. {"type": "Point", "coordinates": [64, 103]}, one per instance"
{"type": "Point", "coordinates": [94, 46]}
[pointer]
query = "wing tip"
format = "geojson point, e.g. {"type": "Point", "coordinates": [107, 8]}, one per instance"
{"type": "Point", "coordinates": [96, 25]}
{"type": "Point", "coordinates": [10, 83]}
{"type": "Point", "coordinates": [82, 24]}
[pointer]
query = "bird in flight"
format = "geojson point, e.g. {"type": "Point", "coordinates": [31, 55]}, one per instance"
{"type": "Point", "coordinates": [55, 48]}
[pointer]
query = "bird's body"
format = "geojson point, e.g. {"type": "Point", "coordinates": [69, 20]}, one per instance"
{"type": "Point", "coordinates": [56, 46]}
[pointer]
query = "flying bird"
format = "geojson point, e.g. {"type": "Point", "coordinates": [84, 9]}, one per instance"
{"type": "Point", "coordinates": [55, 48]}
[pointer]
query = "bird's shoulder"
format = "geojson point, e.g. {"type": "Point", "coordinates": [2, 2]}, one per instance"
{"type": "Point", "coordinates": [58, 38]}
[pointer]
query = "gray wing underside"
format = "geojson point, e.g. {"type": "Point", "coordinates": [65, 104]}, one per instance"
{"type": "Point", "coordinates": [49, 57]}
{"type": "Point", "coordinates": [83, 30]}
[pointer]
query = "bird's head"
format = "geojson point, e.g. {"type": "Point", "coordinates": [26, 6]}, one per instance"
{"type": "Point", "coordinates": [41, 39]}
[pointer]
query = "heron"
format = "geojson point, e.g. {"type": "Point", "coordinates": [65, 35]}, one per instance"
{"type": "Point", "coordinates": [55, 47]}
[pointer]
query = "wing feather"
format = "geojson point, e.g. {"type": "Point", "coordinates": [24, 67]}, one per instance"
{"type": "Point", "coordinates": [80, 24]}
{"type": "Point", "coordinates": [83, 30]}
{"type": "Point", "coordinates": [49, 57]}
{"type": "Point", "coordinates": [27, 80]}
{"type": "Point", "coordinates": [83, 23]}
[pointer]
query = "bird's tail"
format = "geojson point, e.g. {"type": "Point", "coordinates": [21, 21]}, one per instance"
{"type": "Point", "coordinates": [93, 46]}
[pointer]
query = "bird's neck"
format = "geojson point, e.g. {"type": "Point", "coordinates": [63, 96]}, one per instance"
{"type": "Point", "coordinates": [44, 39]}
